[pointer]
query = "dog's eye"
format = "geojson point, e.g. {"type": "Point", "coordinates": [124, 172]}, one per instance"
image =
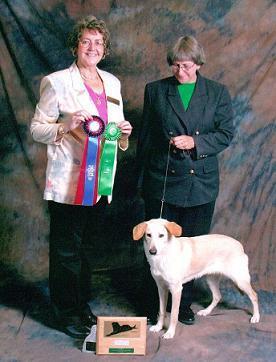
{"type": "Point", "coordinates": [161, 235]}
{"type": "Point", "coordinates": [148, 235]}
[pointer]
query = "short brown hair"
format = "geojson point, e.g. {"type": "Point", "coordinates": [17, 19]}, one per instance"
{"type": "Point", "coordinates": [186, 48]}
{"type": "Point", "coordinates": [91, 23]}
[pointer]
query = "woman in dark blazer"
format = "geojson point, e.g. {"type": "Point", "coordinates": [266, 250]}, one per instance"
{"type": "Point", "coordinates": [187, 120]}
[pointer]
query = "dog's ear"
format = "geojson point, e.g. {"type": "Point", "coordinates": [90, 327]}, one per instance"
{"type": "Point", "coordinates": [174, 228]}
{"type": "Point", "coordinates": [139, 231]}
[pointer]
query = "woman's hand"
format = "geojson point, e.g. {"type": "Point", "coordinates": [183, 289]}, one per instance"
{"type": "Point", "coordinates": [77, 119]}
{"type": "Point", "coordinates": [183, 142]}
{"type": "Point", "coordinates": [126, 129]}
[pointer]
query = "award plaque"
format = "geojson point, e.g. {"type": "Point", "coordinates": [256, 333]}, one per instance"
{"type": "Point", "coordinates": [121, 335]}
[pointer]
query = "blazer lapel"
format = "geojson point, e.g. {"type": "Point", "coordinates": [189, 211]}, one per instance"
{"type": "Point", "coordinates": [175, 101]}
{"type": "Point", "coordinates": [81, 92]}
{"type": "Point", "coordinates": [108, 92]}
{"type": "Point", "coordinates": [114, 98]}
{"type": "Point", "coordinates": [196, 107]}
{"type": "Point", "coordinates": [83, 96]}
{"type": "Point", "coordinates": [195, 111]}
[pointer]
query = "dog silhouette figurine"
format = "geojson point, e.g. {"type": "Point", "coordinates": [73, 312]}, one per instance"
{"type": "Point", "coordinates": [119, 329]}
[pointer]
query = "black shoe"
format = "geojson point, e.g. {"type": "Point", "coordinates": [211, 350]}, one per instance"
{"type": "Point", "coordinates": [152, 318]}
{"type": "Point", "coordinates": [151, 321]}
{"type": "Point", "coordinates": [186, 316]}
{"type": "Point", "coordinates": [75, 331]}
{"type": "Point", "coordinates": [72, 326]}
{"type": "Point", "coordinates": [88, 318]}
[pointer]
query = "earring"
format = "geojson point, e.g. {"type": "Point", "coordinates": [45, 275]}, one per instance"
{"type": "Point", "coordinates": [74, 52]}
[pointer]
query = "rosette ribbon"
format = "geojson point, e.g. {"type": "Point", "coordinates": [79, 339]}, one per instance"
{"type": "Point", "coordinates": [108, 160]}
{"type": "Point", "coordinates": [87, 189]}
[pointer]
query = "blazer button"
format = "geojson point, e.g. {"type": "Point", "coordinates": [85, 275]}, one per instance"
{"type": "Point", "coordinates": [197, 133]}
{"type": "Point", "coordinates": [174, 151]}
{"type": "Point", "coordinates": [171, 133]}
{"type": "Point", "coordinates": [172, 171]}
{"type": "Point", "coordinates": [192, 171]}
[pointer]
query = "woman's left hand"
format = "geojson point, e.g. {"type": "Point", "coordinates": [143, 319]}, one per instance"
{"type": "Point", "coordinates": [126, 129]}
{"type": "Point", "coordinates": [183, 142]}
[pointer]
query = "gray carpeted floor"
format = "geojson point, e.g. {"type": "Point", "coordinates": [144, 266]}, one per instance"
{"type": "Point", "coordinates": [226, 335]}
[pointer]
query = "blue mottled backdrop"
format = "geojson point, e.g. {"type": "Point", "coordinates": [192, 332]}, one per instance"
{"type": "Point", "coordinates": [239, 40]}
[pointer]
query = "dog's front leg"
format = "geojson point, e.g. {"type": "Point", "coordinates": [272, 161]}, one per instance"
{"type": "Point", "coordinates": [163, 299]}
{"type": "Point", "coordinates": [176, 296]}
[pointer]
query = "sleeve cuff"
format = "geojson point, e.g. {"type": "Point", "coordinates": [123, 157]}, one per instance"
{"type": "Point", "coordinates": [123, 144]}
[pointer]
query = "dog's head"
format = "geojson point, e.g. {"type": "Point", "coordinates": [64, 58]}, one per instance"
{"type": "Point", "coordinates": [157, 233]}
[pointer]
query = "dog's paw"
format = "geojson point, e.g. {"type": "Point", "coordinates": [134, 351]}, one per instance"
{"type": "Point", "coordinates": [255, 318]}
{"type": "Point", "coordinates": [169, 334]}
{"type": "Point", "coordinates": [203, 312]}
{"type": "Point", "coordinates": [156, 328]}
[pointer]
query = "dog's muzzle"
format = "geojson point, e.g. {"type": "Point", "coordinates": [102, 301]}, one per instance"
{"type": "Point", "coordinates": [153, 251]}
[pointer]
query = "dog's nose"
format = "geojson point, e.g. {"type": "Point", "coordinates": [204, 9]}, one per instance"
{"type": "Point", "coordinates": [153, 251]}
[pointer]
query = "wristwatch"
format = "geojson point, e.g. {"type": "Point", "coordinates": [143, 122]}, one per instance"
{"type": "Point", "coordinates": [61, 131]}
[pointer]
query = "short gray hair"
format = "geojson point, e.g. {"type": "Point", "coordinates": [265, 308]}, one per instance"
{"type": "Point", "coordinates": [186, 48]}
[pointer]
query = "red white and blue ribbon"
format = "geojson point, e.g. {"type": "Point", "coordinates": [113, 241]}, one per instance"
{"type": "Point", "coordinates": [87, 189]}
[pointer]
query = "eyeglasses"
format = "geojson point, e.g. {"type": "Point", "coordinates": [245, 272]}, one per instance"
{"type": "Point", "coordinates": [184, 66]}
{"type": "Point", "coordinates": [87, 43]}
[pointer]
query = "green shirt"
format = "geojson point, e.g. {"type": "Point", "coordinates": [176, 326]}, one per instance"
{"type": "Point", "coordinates": [186, 91]}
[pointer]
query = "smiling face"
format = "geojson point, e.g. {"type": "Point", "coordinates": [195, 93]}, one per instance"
{"type": "Point", "coordinates": [90, 49]}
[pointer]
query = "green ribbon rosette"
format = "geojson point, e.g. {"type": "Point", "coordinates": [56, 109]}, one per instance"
{"type": "Point", "coordinates": [108, 159]}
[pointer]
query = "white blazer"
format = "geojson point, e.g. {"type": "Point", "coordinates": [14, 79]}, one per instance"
{"type": "Point", "coordinates": [61, 94]}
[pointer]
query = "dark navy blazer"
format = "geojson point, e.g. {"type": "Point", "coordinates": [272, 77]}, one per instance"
{"type": "Point", "coordinates": [193, 177]}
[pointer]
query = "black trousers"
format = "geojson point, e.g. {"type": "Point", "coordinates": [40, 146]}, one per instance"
{"type": "Point", "coordinates": [72, 228]}
{"type": "Point", "coordinates": [194, 221]}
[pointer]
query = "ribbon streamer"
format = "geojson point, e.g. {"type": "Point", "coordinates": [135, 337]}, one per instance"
{"type": "Point", "coordinates": [107, 166]}
{"type": "Point", "coordinates": [87, 190]}
{"type": "Point", "coordinates": [91, 172]}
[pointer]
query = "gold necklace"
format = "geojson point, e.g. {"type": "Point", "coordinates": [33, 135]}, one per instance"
{"type": "Point", "coordinates": [98, 100]}
{"type": "Point", "coordinates": [85, 77]}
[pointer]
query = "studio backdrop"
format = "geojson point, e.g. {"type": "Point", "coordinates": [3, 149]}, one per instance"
{"type": "Point", "coordinates": [239, 40]}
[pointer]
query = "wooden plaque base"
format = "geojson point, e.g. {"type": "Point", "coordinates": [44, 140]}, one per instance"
{"type": "Point", "coordinates": [121, 335]}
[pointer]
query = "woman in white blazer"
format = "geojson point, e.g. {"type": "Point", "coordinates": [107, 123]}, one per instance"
{"type": "Point", "coordinates": [76, 105]}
